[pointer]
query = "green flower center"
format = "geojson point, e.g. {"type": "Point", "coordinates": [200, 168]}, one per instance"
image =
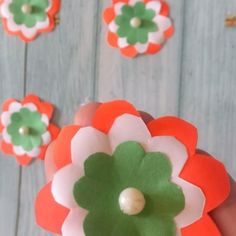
{"type": "Point", "coordinates": [129, 193]}
{"type": "Point", "coordinates": [26, 129]}
{"type": "Point", "coordinates": [135, 23]}
{"type": "Point", "coordinates": [29, 12]}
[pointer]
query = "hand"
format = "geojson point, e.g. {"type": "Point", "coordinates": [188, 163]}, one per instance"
{"type": "Point", "coordinates": [224, 216]}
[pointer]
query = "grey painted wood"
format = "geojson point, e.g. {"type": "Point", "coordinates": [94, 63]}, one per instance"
{"type": "Point", "coordinates": [12, 54]}
{"type": "Point", "coordinates": [193, 76]}
{"type": "Point", "coordinates": [60, 68]}
{"type": "Point", "coordinates": [208, 83]}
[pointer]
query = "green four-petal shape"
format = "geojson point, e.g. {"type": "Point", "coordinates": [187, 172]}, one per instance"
{"type": "Point", "coordinates": [136, 34]}
{"type": "Point", "coordinates": [30, 19]}
{"type": "Point", "coordinates": [33, 121]}
{"type": "Point", "coordinates": [130, 166]}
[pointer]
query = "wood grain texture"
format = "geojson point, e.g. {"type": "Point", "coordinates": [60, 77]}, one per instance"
{"type": "Point", "coordinates": [208, 83]}
{"type": "Point", "coordinates": [60, 69]}
{"type": "Point", "coordinates": [193, 76]}
{"type": "Point", "coordinates": [12, 54]}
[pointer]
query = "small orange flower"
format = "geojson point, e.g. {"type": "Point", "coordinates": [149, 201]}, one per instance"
{"type": "Point", "coordinates": [91, 168]}
{"type": "Point", "coordinates": [25, 128]}
{"type": "Point", "coordinates": [28, 18]}
{"type": "Point", "coordinates": [138, 26]}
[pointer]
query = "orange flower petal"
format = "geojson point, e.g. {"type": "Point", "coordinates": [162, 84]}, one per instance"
{"type": "Point", "coordinates": [7, 103]}
{"type": "Point", "coordinates": [168, 33]}
{"type": "Point", "coordinates": [165, 10]}
{"type": "Point", "coordinates": [109, 15]}
{"type": "Point", "coordinates": [211, 176]}
{"type": "Point", "coordinates": [62, 150]}
{"type": "Point", "coordinates": [23, 160]}
{"type": "Point", "coordinates": [108, 112]}
{"type": "Point", "coordinates": [129, 51]}
{"type": "Point", "coordinates": [112, 39]}
{"type": "Point", "coordinates": [43, 107]}
{"type": "Point", "coordinates": [49, 214]}
{"type": "Point", "coordinates": [153, 48]}
{"type": "Point", "coordinates": [173, 126]}
{"type": "Point", "coordinates": [204, 227]}
{"type": "Point", "coordinates": [6, 148]}
{"type": "Point", "coordinates": [116, 1]}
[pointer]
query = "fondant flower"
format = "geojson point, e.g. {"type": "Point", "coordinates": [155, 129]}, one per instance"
{"type": "Point", "coordinates": [138, 26]}
{"type": "Point", "coordinates": [28, 18]}
{"type": "Point", "coordinates": [121, 176]}
{"type": "Point", "coordinates": [25, 128]}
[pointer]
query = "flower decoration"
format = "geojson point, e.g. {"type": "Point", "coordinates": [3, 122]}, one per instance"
{"type": "Point", "coordinates": [138, 26]}
{"type": "Point", "coordinates": [28, 18]}
{"type": "Point", "coordinates": [25, 128]}
{"type": "Point", "coordinates": [121, 176]}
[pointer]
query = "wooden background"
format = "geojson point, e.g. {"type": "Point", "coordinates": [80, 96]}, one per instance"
{"type": "Point", "coordinates": [193, 77]}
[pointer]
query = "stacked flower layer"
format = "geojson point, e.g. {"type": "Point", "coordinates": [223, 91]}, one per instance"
{"type": "Point", "coordinates": [28, 18]}
{"type": "Point", "coordinates": [138, 26]}
{"type": "Point", "coordinates": [122, 176]}
{"type": "Point", "coordinates": [26, 129]}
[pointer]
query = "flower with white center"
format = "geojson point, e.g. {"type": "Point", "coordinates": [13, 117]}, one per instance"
{"type": "Point", "coordinates": [28, 18]}
{"type": "Point", "coordinates": [138, 26]}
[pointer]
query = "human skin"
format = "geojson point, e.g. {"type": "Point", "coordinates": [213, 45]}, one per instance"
{"type": "Point", "coordinates": [224, 216]}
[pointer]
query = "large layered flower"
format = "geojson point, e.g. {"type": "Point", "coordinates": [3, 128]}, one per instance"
{"type": "Point", "coordinates": [122, 176]}
{"type": "Point", "coordinates": [138, 26]}
{"type": "Point", "coordinates": [26, 129]}
{"type": "Point", "coordinates": [28, 18]}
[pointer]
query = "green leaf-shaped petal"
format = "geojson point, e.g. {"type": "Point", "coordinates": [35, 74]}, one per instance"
{"type": "Point", "coordinates": [155, 166]}
{"type": "Point", "coordinates": [26, 143]}
{"type": "Point", "coordinates": [91, 194]}
{"type": "Point", "coordinates": [139, 9]}
{"type": "Point", "coordinates": [101, 162]}
{"type": "Point", "coordinates": [122, 21]}
{"type": "Point", "coordinates": [148, 15]}
{"type": "Point", "coordinates": [155, 226]}
{"type": "Point", "coordinates": [128, 11]}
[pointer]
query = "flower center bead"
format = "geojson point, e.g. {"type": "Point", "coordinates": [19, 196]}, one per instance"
{"type": "Point", "coordinates": [24, 130]}
{"type": "Point", "coordinates": [135, 22]}
{"type": "Point", "coordinates": [26, 8]}
{"type": "Point", "coordinates": [131, 201]}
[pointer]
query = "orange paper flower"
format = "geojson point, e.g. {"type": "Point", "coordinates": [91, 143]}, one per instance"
{"type": "Point", "coordinates": [77, 151]}
{"type": "Point", "coordinates": [26, 129]}
{"type": "Point", "coordinates": [138, 26]}
{"type": "Point", "coordinates": [28, 18]}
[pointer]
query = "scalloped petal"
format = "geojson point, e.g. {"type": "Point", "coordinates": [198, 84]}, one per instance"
{"type": "Point", "coordinates": [62, 151]}
{"type": "Point", "coordinates": [180, 129]}
{"type": "Point", "coordinates": [211, 176]}
{"type": "Point", "coordinates": [204, 227]}
{"type": "Point", "coordinates": [107, 113]}
{"type": "Point", "coordinates": [48, 213]}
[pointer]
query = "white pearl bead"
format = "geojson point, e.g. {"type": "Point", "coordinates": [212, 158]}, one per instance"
{"type": "Point", "coordinates": [131, 201]}
{"type": "Point", "coordinates": [24, 130]}
{"type": "Point", "coordinates": [135, 22]}
{"type": "Point", "coordinates": [26, 8]}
